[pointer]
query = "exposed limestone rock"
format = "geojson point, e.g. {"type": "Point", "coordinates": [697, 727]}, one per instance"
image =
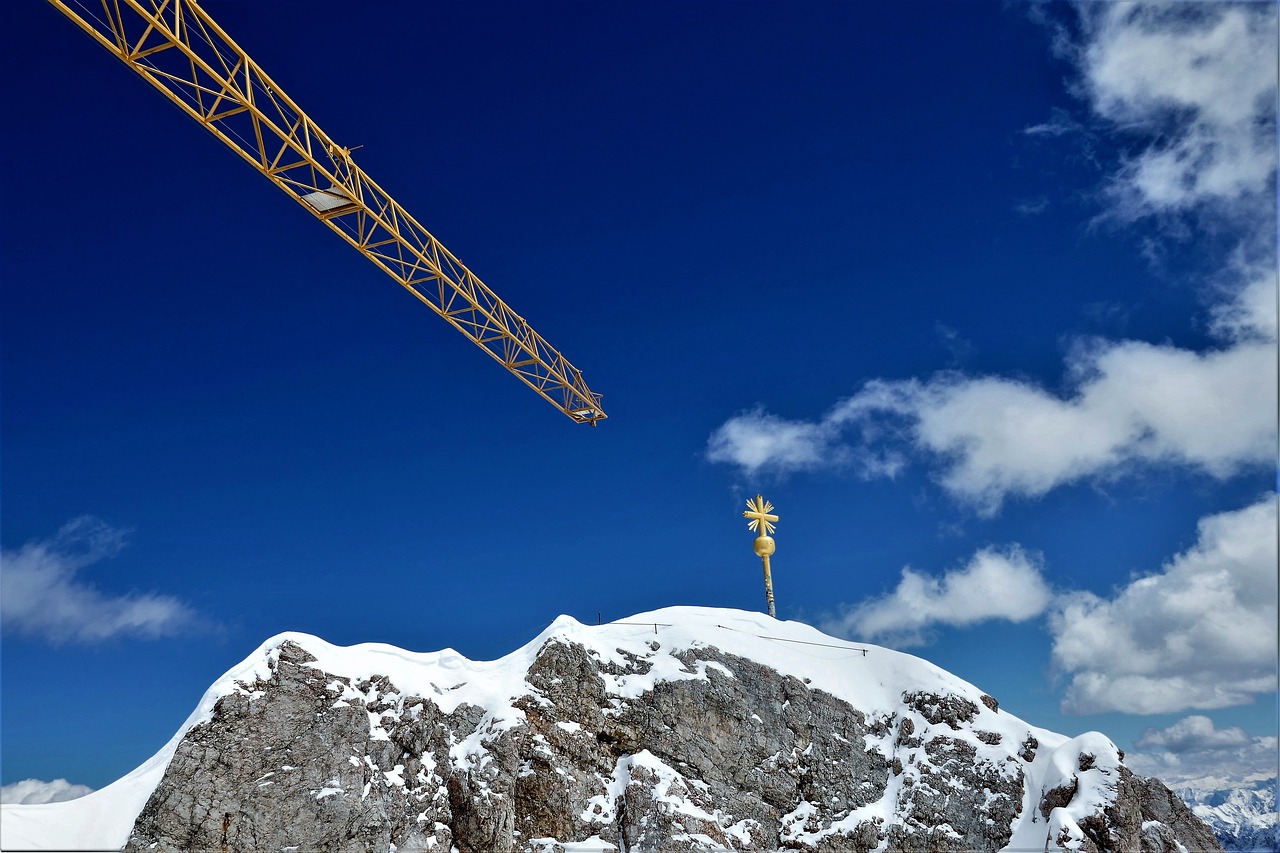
{"type": "Point", "coordinates": [1105, 808]}
{"type": "Point", "coordinates": [721, 752]}
{"type": "Point", "coordinates": [952, 710]}
{"type": "Point", "coordinates": [1029, 746]}
{"type": "Point", "coordinates": [283, 765]}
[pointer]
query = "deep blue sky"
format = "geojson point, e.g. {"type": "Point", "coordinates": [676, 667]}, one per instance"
{"type": "Point", "coordinates": [708, 207]}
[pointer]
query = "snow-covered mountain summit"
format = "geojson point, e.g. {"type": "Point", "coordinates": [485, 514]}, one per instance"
{"type": "Point", "coordinates": [682, 728]}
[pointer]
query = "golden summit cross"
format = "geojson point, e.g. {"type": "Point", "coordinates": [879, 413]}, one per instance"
{"type": "Point", "coordinates": [759, 511]}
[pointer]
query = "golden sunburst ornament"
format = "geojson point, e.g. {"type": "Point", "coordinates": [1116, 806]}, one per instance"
{"type": "Point", "coordinates": [758, 510]}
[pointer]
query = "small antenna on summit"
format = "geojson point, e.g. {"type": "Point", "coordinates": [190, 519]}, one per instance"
{"type": "Point", "coordinates": [758, 510]}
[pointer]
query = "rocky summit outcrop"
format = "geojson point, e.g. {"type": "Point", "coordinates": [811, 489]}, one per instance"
{"type": "Point", "coordinates": [705, 730]}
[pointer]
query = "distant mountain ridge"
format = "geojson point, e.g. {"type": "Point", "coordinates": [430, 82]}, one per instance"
{"type": "Point", "coordinates": [1244, 819]}
{"type": "Point", "coordinates": [685, 728]}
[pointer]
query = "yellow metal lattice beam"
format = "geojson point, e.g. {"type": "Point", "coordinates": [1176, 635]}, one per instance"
{"type": "Point", "coordinates": [176, 47]}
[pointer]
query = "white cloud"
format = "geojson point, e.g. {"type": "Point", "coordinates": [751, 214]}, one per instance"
{"type": "Point", "coordinates": [1134, 402]}
{"type": "Point", "coordinates": [994, 584]}
{"type": "Point", "coordinates": [1200, 82]}
{"type": "Point", "coordinates": [41, 595]}
{"type": "Point", "coordinates": [35, 791]}
{"type": "Point", "coordinates": [756, 439]}
{"type": "Point", "coordinates": [1193, 751]}
{"type": "Point", "coordinates": [992, 438]}
{"type": "Point", "coordinates": [1192, 734]}
{"type": "Point", "coordinates": [1196, 79]}
{"type": "Point", "coordinates": [1252, 312]}
{"type": "Point", "coordinates": [1199, 634]}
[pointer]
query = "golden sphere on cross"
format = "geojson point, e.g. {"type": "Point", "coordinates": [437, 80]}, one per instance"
{"type": "Point", "coordinates": [765, 546]}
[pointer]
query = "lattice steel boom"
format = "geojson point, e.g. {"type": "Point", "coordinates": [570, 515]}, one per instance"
{"type": "Point", "coordinates": [175, 46]}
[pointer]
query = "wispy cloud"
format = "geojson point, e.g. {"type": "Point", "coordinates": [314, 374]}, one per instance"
{"type": "Point", "coordinates": [36, 791]}
{"type": "Point", "coordinates": [1194, 751]}
{"type": "Point", "coordinates": [42, 596]}
{"type": "Point", "coordinates": [757, 441]}
{"type": "Point", "coordinates": [1033, 206]}
{"type": "Point", "coordinates": [1060, 123]}
{"type": "Point", "coordinates": [960, 348]}
{"type": "Point", "coordinates": [1200, 633]}
{"type": "Point", "coordinates": [995, 584]}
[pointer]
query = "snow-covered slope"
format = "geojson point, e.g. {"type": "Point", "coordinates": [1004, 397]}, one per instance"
{"type": "Point", "coordinates": [102, 819]}
{"type": "Point", "coordinates": [918, 718]}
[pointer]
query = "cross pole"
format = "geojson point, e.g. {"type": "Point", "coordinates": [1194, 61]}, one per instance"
{"type": "Point", "coordinates": [759, 511]}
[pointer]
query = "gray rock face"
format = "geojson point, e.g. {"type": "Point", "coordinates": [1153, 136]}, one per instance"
{"type": "Point", "coordinates": [731, 755]}
{"type": "Point", "coordinates": [282, 765]}
{"type": "Point", "coordinates": [1146, 816]}
{"type": "Point", "coordinates": [1105, 808]}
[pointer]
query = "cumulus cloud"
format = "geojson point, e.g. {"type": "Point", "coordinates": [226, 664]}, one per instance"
{"type": "Point", "coordinates": [1201, 633]}
{"type": "Point", "coordinates": [1130, 402]}
{"type": "Point", "coordinates": [36, 791]}
{"type": "Point", "coordinates": [992, 438]}
{"type": "Point", "coordinates": [42, 596]}
{"type": "Point", "coordinates": [1193, 751]}
{"type": "Point", "coordinates": [1201, 81]}
{"type": "Point", "coordinates": [994, 584]}
{"type": "Point", "coordinates": [1192, 734]}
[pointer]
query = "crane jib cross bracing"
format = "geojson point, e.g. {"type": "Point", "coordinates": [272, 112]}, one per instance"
{"type": "Point", "coordinates": [175, 46]}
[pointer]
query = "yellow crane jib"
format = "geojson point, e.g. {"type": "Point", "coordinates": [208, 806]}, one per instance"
{"type": "Point", "coordinates": [176, 47]}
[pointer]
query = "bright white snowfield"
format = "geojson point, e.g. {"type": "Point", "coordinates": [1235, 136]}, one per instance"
{"type": "Point", "coordinates": [873, 683]}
